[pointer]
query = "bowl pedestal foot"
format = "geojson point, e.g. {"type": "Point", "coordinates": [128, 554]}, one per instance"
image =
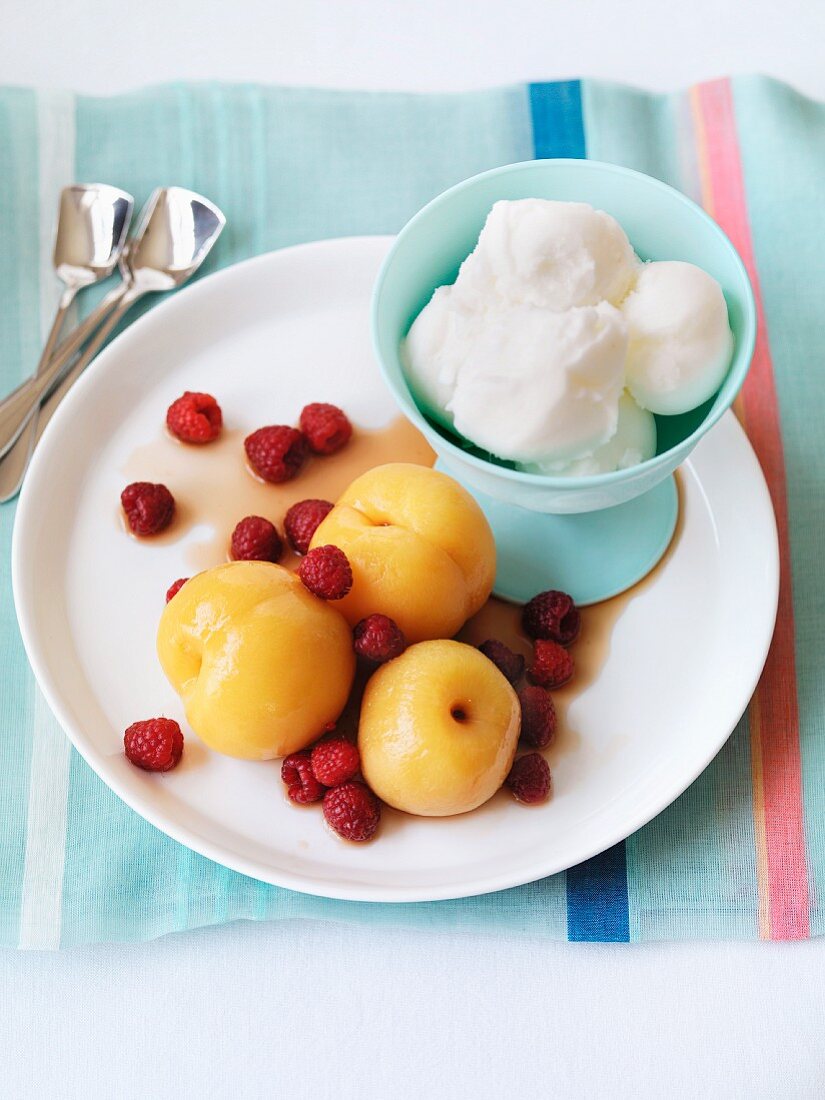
{"type": "Point", "coordinates": [590, 555]}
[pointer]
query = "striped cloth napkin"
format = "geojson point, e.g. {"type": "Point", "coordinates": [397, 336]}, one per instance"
{"type": "Point", "coordinates": [742, 852]}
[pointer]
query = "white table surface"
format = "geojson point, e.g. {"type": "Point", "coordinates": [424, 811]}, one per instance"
{"type": "Point", "coordinates": [305, 1010]}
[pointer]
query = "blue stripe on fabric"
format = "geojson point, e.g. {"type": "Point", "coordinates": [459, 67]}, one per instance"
{"type": "Point", "coordinates": [597, 907]}
{"type": "Point", "coordinates": [558, 120]}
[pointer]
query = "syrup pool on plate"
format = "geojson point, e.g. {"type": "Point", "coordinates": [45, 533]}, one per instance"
{"type": "Point", "coordinates": [502, 620]}
{"type": "Point", "coordinates": [214, 488]}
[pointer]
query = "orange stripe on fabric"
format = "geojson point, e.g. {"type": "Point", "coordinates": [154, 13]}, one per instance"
{"type": "Point", "coordinates": [759, 821]}
{"type": "Point", "coordinates": [777, 766]}
{"type": "Point", "coordinates": [701, 149]}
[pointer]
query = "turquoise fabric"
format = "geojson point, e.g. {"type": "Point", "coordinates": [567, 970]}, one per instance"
{"type": "Point", "coordinates": [290, 165]}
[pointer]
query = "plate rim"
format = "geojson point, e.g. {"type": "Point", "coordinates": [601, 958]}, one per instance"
{"type": "Point", "coordinates": [349, 890]}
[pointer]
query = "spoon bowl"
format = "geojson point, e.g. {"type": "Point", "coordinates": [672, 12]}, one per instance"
{"type": "Point", "coordinates": [175, 233]}
{"type": "Point", "coordinates": [91, 230]}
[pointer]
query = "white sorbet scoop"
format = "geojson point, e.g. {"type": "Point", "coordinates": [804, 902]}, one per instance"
{"type": "Point", "coordinates": [548, 254]}
{"type": "Point", "coordinates": [680, 342]}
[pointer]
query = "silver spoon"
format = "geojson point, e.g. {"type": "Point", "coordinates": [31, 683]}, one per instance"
{"type": "Point", "coordinates": [175, 233]}
{"type": "Point", "coordinates": [92, 224]}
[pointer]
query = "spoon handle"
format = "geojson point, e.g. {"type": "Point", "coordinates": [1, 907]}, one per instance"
{"type": "Point", "coordinates": [69, 347]}
{"type": "Point", "coordinates": [13, 466]}
{"type": "Point", "coordinates": [59, 390]}
{"type": "Point", "coordinates": [60, 387]}
{"type": "Point", "coordinates": [19, 407]}
{"type": "Point", "coordinates": [66, 299]}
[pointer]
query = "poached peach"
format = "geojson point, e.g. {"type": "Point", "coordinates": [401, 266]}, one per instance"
{"type": "Point", "coordinates": [262, 665]}
{"type": "Point", "coordinates": [438, 731]}
{"type": "Point", "coordinates": [420, 548]}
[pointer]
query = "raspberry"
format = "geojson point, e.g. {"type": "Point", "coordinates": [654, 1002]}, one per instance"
{"type": "Point", "coordinates": [149, 507]}
{"type": "Point", "coordinates": [276, 453]}
{"type": "Point", "coordinates": [378, 638]}
{"type": "Point", "coordinates": [301, 784]}
{"type": "Point", "coordinates": [552, 615]}
{"type": "Point", "coordinates": [301, 522]}
{"type": "Point", "coordinates": [195, 418]}
{"type": "Point", "coordinates": [552, 665]}
{"type": "Point", "coordinates": [326, 572]}
{"type": "Point", "coordinates": [174, 588]}
{"type": "Point", "coordinates": [155, 745]}
{"type": "Point", "coordinates": [326, 427]}
{"type": "Point", "coordinates": [530, 779]}
{"type": "Point", "coordinates": [256, 539]}
{"type": "Point", "coordinates": [353, 811]}
{"type": "Point", "coordinates": [538, 717]}
{"type": "Point", "coordinates": [335, 761]}
{"type": "Point", "coordinates": [508, 663]}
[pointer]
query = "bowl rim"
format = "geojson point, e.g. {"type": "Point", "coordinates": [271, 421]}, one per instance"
{"type": "Point", "coordinates": [740, 362]}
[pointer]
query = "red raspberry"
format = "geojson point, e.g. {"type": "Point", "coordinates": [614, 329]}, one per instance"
{"type": "Point", "coordinates": [326, 572]}
{"type": "Point", "coordinates": [195, 418]}
{"type": "Point", "coordinates": [149, 508]}
{"type": "Point", "coordinates": [326, 427]}
{"type": "Point", "coordinates": [256, 539]}
{"type": "Point", "coordinates": [552, 665]}
{"type": "Point", "coordinates": [335, 761]}
{"type": "Point", "coordinates": [353, 811]}
{"type": "Point", "coordinates": [508, 663]}
{"type": "Point", "coordinates": [302, 520]}
{"type": "Point", "coordinates": [155, 745]}
{"type": "Point", "coordinates": [174, 588]}
{"type": "Point", "coordinates": [552, 615]}
{"type": "Point", "coordinates": [538, 717]}
{"type": "Point", "coordinates": [276, 453]}
{"type": "Point", "coordinates": [378, 638]}
{"type": "Point", "coordinates": [301, 784]}
{"type": "Point", "coordinates": [530, 779]}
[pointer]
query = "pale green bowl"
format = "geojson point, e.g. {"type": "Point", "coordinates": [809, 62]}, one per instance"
{"type": "Point", "coordinates": [662, 224]}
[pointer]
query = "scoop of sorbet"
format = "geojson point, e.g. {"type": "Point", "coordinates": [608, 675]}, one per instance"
{"type": "Point", "coordinates": [554, 255]}
{"type": "Point", "coordinates": [680, 342]}
{"type": "Point", "coordinates": [634, 442]}
{"type": "Point", "coordinates": [521, 382]}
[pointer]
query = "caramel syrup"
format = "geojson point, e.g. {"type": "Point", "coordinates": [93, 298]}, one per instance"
{"type": "Point", "coordinates": [214, 488]}
{"type": "Point", "coordinates": [502, 620]}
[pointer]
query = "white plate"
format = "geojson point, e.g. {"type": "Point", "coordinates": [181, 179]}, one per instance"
{"type": "Point", "coordinates": [266, 336]}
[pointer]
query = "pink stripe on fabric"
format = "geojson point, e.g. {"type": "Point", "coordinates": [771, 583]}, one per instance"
{"type": "Point", "coordinates": [774, 710]}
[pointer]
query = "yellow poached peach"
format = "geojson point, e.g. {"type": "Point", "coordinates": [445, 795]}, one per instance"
{"type": "Point", "coordinates": [438, 731]}
{"type": "Point", "coordinates": [420, 548]}
{"type": "Point", "coordinates": [262, 665]}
